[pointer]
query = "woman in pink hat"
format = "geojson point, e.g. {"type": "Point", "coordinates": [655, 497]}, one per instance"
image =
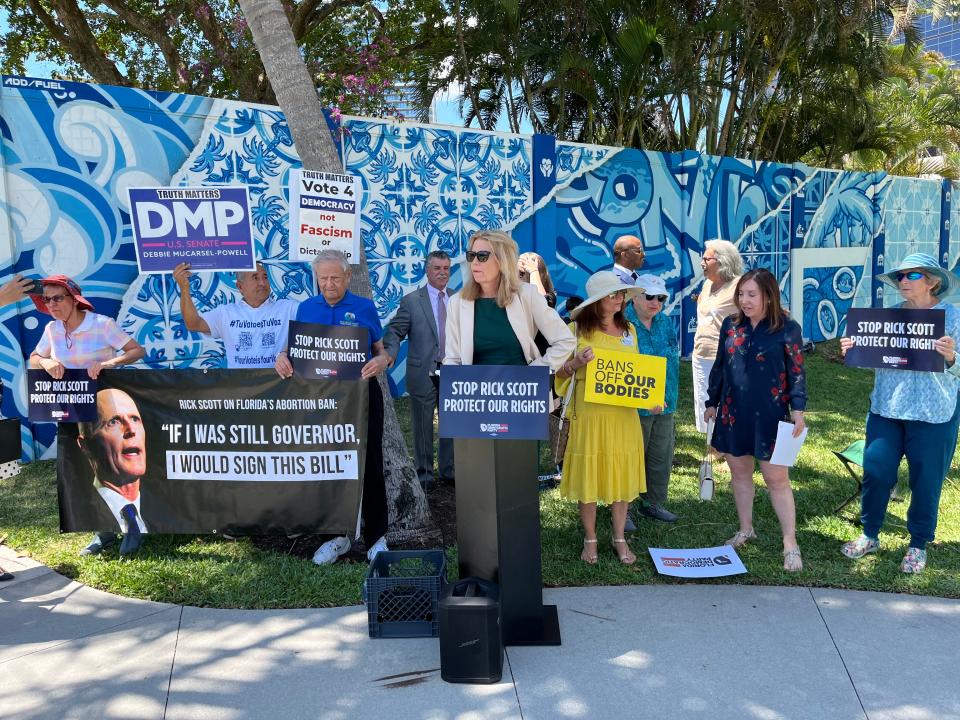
{"type": "Point", "coordinates": [79, 338]}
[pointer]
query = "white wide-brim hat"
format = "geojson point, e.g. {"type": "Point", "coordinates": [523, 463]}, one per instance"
{"type": "Point", "coordinates": [653, 285]}
{"type": "Point", "coordinates": [603, 283]}
{"type": "Point", "coordinates": [949, 283]}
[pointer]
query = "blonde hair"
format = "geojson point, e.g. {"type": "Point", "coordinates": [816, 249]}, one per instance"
{"type": "Point", "coordinates": [506, 252]}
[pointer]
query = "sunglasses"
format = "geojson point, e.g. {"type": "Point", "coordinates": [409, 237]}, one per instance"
{"type": "Point", "coordinates": [912, 275]}
{"type": "Point", "coordinates": [617, 294]}
{"type": "Point", "coordinates": [53, 299]}
{"type": "Point", "coordinates": [661, 298]}
{"type": "Point", "coordinates": [481, 255]}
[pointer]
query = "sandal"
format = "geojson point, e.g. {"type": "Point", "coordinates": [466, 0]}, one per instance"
{"type": "Point", "coordinates": [589, 554]}
{"type": "Point", "coordinates": [792, 562]}
{"type": "Point", "coordinates": [626, 557]}
{"type": "Point", "coordinates": [914, 561]}
{"type": "Point", "coordinates": [860, 547]}
{"type": "Point", "coordinates": [741, 538]}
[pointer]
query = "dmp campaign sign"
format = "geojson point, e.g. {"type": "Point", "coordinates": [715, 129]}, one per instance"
{"type": "Point", "coordinates": [698, 563]}
{"type": "Point", "coordinates": [208, 227]}
{"type": "Point", "coordinates": [324, 214]}
{"type": "Point", "coordinates": [627, 379]}
{"type": "Point", "coordinates": [237, 451]}
{"type": "Point", "coordinates": [897, 338]}
{"type": "Point", "coordinates": [505, 402]}
{"type": "Point", "coordinates": [72, 398]}
{"type": "Point", "coordinates": [326, 351]}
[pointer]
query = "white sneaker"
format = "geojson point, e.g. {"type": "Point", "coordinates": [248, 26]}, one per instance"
{"type": "Point", "coordinates": [328, 553]}
{"type": "Point", "coordinates": [379, 545]}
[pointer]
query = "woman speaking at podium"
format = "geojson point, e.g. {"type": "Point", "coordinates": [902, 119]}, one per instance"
{"type": "Point", "coordinates": [495, 318]}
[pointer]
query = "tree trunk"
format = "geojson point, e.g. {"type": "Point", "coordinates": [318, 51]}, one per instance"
{"type": "Point", "coordinates": [297, 97]}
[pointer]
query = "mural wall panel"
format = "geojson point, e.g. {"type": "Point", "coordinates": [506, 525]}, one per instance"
{"type": "Point", "coordinates": [70, 150]}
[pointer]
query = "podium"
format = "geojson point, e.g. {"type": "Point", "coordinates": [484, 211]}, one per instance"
{"type": "Point", "coordinates": [498, 508]}
{"type": "Point", "coordinates": [498, 532]}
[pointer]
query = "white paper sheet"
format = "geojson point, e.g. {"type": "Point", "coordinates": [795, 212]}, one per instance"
{"type": "Point", "coordinates": [697, 562]}
{"type": "Point", "coordinates": [787, 447]}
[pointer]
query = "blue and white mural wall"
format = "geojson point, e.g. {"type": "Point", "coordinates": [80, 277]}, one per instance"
{"type": "Point", "coordinates": [70, 150]}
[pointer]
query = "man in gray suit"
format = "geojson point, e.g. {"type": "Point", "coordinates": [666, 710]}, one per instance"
{"type": "Point", "coordinates": [422, 316]}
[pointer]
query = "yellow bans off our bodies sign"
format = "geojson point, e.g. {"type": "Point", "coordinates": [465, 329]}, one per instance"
{"type": "Point", "coordinates": [627, 379]}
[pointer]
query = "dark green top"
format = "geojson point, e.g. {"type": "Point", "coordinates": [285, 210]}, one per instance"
{"type": "Point", "coordinates": [494, 342]}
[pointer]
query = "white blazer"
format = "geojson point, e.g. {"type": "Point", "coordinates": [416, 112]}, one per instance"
{"type": "Point", "coordinates": [528, 314]}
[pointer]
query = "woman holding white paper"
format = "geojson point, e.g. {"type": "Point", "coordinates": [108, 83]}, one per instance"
{"type": "Point", "coordinates": [756, 381]}
{"type": "Point", "coordinates": [912, 414]}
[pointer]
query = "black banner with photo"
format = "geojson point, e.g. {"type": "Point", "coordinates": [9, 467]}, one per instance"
{"type": "Point", "coordinates": [327, 352]}
{"type": "Point", "coordinates": [895, 338]}
{"type": "Point", "coordinates": [238, 451]}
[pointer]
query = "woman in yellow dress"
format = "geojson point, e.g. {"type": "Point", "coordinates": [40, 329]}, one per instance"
{"type": "Point", "coordinates": [603, 461]}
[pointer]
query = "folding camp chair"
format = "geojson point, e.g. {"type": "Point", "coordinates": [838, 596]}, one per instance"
{"type": "Point", "coordinates": [851, 457]}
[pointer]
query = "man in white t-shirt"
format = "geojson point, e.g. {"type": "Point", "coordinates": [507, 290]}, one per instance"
{"type": "Point", "coordinates": [253, 329]}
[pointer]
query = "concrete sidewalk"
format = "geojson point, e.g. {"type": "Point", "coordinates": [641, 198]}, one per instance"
{"type": "Point", "coordinates": [681, 651]}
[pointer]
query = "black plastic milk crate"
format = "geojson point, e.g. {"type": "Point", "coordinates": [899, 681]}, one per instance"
{"type": "Point", "coordinates": [402, 591]}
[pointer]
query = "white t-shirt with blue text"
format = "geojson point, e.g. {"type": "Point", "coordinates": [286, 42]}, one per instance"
{"type": "Point", "coordinates": [252, 337]}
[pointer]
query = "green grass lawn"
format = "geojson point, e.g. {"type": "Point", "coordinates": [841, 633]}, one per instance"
{"type": "Point", "coordinates": [212, 572]}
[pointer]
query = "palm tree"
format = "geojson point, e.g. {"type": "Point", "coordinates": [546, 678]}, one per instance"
{"type": "Point", "coordinates": [297, 97]}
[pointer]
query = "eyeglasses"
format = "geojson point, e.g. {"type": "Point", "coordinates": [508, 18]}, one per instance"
{"type": "Point", "coordinates": [661, 298]}
{"type": "Point", "coordinates": [708, 259]}
{"type": "Point", "coordinates": [912, 275]}
{"type": "Point", "coordinates": [53, 299]}
{"type": "Point", "coordinates": [481, 255]}
{"type": "Point", "coordinates": [617, 294]}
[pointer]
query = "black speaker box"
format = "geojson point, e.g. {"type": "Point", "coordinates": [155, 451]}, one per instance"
{"type": "Point", "coordinates": [471, 645]}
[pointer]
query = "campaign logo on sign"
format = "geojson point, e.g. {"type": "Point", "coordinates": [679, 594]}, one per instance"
{"type": "Point", "coordinates": [494, 428]}
{"type": "Point", "coordinates": [208, 227]}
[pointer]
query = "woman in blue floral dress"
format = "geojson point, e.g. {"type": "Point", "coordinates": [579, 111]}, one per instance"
{"type": "Point", "coordinates": [757, 381]}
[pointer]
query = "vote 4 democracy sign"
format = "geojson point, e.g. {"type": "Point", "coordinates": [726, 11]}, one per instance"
{"type": "Point", "coordinates": [208, 227]}
{"type": "Point", "coordinates": [505, 402]}
{"type": "Point", "coordinates": [895, 338]}
{"type": "Point", "coordinates": [324, 214]}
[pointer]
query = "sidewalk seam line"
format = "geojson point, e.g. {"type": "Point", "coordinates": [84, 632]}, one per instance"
{"type": "Point", "coordinates": [839, 654]}
{"type": "Point", "coordinates": [513, 678]}
{"type": "Point", "coordinates": [173, 661]}
{"type": "Point", "coordinates": [85, 635]}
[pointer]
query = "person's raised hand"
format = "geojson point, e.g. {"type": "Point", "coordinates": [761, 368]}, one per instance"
{"type": "Point", "coordinates": [181, 275]}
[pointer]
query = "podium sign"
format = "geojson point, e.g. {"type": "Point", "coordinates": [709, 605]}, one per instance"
{"type": "Point", "coordinates": [503, 402]}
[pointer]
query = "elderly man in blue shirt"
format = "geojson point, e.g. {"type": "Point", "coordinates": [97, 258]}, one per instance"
{"type": "Point", "coordinates": [336, 305]}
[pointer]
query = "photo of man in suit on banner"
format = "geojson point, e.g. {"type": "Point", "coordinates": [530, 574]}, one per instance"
{"type": "Point", "coordinates": [115, 446]}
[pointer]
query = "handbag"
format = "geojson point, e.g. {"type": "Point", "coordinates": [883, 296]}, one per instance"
{"type": "Point", "coordinates": [705, 475]}
{"type": "Point", "coordinates": [563, 423]}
